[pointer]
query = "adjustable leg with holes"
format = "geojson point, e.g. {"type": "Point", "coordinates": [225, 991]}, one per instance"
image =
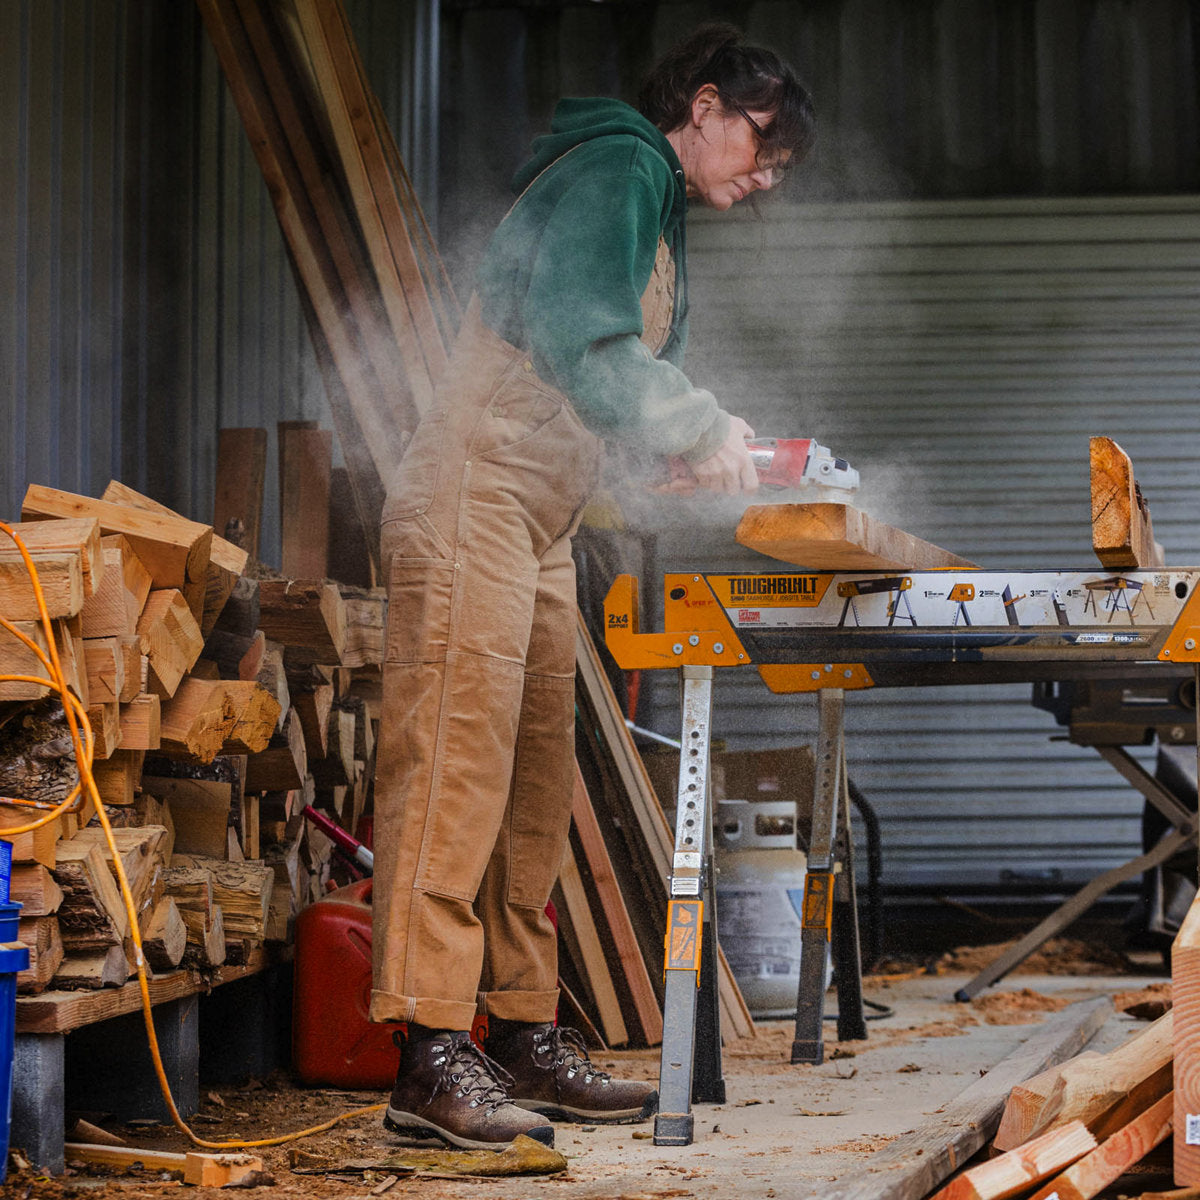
{"type": "Point", "coordinates": [828, 889]}
{"type": "Point", "coordinates": [691, 940]}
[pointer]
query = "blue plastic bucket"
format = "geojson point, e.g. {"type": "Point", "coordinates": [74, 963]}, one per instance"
{"type": "Point", "coordinates": [5, 874]}
{"type": "Point", "coordinates": [14, 957]}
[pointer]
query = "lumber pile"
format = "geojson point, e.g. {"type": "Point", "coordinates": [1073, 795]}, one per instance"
{"type": "Point", "coordinates": [221, 702]}
{"type": "Point", "coordinates": [1075, 1128]}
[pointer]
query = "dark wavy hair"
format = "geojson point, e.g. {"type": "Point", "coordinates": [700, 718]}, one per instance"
{"type": "Point", "coordinates": [746, 77]}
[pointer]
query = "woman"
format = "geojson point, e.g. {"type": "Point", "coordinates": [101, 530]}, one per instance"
{"type": "Point", "coordinates": [573, 338]}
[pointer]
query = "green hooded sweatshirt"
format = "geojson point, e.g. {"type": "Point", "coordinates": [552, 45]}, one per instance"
{"type": "Point", "coordinates": [564, 274]}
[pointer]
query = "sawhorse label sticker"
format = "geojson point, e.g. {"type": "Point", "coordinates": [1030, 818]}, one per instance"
{"type": "Point", "coordinates": [684, 918]}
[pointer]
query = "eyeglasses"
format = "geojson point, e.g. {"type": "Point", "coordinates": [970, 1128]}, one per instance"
{"type": "Point", "coordinates": [778, 170]}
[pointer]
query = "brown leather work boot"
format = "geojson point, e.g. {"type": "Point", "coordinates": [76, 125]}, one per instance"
{"type": "Point", "coordinates": [552, 1074]}
{"type": "Point", "coordinates": [447, 1088]}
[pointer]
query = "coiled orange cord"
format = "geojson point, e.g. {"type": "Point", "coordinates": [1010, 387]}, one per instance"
{"type": "Point", "coordinates": [83, 741]}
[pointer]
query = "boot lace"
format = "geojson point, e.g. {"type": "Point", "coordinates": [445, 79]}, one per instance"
{"type": "Point", "coordinates": [570, 1051]}
{"type": "Point", "coordinates": [479, 1080]}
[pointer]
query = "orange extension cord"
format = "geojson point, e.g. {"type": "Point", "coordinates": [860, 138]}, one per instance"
{"type": "Point", "coordinates": [83, 741]}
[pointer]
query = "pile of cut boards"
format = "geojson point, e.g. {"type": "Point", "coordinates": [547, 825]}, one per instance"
{"type": "Point", "coordinates": [220, 705]}
{"type": "Point", "coordinates": [1072, 1131]}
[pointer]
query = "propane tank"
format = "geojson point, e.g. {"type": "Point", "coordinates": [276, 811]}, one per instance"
{"type": "Point", "coordinates": [760, 890]}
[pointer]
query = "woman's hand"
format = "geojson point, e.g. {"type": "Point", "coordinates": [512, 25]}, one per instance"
{"type": "Point", "coordinates": [730, 470]}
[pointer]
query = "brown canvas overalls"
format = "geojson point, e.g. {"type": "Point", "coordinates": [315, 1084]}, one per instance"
{"type": "Point", "coordinates": [475, 761]}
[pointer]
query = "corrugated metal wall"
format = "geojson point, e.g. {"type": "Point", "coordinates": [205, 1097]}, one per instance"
{"type": "Point", "coordinates": [960, 354]}
{"type": "Point", "coordinates": [148, 296]}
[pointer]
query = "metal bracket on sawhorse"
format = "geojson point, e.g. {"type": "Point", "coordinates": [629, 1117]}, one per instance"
{"type": "Point", "coordinates": [829, 921]}
{"type": "Point", "coordinates": [690, 1070]}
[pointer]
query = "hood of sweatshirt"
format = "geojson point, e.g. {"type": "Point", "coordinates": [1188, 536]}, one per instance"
{"type": "Point", "coordinates": [577, 121]}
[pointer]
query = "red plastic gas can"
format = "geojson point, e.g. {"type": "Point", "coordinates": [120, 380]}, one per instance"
{"type": "Point", "coordinates": [333, 1042]}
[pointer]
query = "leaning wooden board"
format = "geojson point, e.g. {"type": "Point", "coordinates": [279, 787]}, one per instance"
{"type": "Point", "coordinates": [837, 537]}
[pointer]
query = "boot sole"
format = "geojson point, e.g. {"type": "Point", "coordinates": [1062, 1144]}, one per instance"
{"type": "Point", "coordinates": [410, 1125]}
{"type": "Point", "coordinates": [625, 1116]}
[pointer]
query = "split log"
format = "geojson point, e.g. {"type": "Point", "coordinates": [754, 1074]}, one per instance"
{"type": "Point", "coordinates": [1122, 532]}
{"type": "Point", "coordinates": [60, 577]}
{"type": "Point", "coordinates": [34, 845]}
{"type": "Point", "coordinates": [113, 609]}
{"type": "Point", "coordinates": [1106, 1164]}
{"type": "Point", "coordinates": [283, 765]}
{"type": "Point", "coordinates": [35, 889]}
{"type": "Point", "coordinates": [199, 809]}
{"type": "Point", "coordinates": [141, 723]}
{"type": "Point", "coordinates": [89, 971]}
{"type": "Point", "coordinates": [170, 638]}
{"type": "Point", "coordinates": [306, 615]}
{"type": "Point", "coordinates": [243, 891]}
{"type": "Point", "coordinates": [142, 857]}
{"type": "Point", "coordinates": [313, 707]}
{"type": "Point", "coordinates": [271, 676]}
{"type": "Point", "coordinates": [256, 716]}
{"type": "Point", "coordinates": [91, 915]}
{"type": "Point", "coordinates": [1105, 1091]}
{"type": "Point", "coordinates": [207, 594]}
{"type": "Point", "coordinates": [197, 719]}
{"type": "Point", "coordinates": [1019, 1169]}
{"type": "Point", "coordinates": [118, 777]}
{"type": "Point", "coordinates": [164, 938]}
{"type": "Point", "coordinates": [366, 610]}
{"type": "Point", "coordinates": [241, 611]}
{"type": "Point", "coordinates": [175, 551]}
{"type": "Point", "coordinates": [37, 756]}
{"type": "Point", "coordinates": [42, 936]}
{"type": "Point", "coordinates": [105, 720]}
{"type": "Point", "coordinates": [16, 658]}
{"type": "Point", "coordinates": [836, 537]}
{"type": "Point", "coordinates": [77, 537]}
{"type": "Point", "coordinates": [336, 768]}
{"type": "Point", "coordinates": [104, 662]}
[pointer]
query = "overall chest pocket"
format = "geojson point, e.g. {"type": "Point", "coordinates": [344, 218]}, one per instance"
{"type": "Point", "coordinates": [519, 408]}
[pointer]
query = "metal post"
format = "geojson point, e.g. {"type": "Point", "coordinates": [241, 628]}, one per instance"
{"type": "Point", "coordinates": [847, 955]}
{"type": "Point", "coordinates": [685, 946]}
{"type": "Point", "coordinates": [808, 1045]}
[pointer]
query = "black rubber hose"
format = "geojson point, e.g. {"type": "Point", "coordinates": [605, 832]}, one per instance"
{"type": "Point", "coordinates": [872, 942]}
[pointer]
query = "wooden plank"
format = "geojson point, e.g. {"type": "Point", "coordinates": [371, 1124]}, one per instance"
{"type": "Point", "coordinates": [346, 101]}
{"type": "Point", "coordinates": [642, 1001]}
{"type": "Point", "coordinates": [1185, 994]}
{"type": "Point", "coordinates": [175, 551]}
{"type": "Point", "coordinates": [1018, 1170]}
{"type": "Point", "coordinates": [60, 1012]}
{"type": "Point", "coordinates": [653, 833]}
{"type": "Point", "coordinates": [79, 535]}
{"type": "Point", "coordinates": [59, 576]}
{"type": "Point", "coordinates": [915, 1163]}
{"type": "Point", "coordinates": [1106, 1164]}
{"type": "Point", "coordinates": [577, 922]}
{"type": "Point", "coordinates": [837, 537]}
{"type": "Point", "coordinates": [114, 607]}
{"type": "Point", "coordinates": [1122, 532]}
{"type": "Point", "coordinates": [299, 199]}
{"type": "Point", "coordinates": [305, 463]}
{"type": "Point", "coordinates": [241, 477]}
{"type": "Point", "coordinates": [1102, 1090]}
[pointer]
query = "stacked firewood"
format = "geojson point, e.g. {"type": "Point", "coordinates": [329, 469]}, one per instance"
{"type": "Point", "coordinates": [220, 704]}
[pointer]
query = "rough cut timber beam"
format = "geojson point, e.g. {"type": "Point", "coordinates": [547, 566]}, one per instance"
{"type": "Point", "coordinates": [836, 537]}
{"type": "Point", "coordinates": [1122, 533]}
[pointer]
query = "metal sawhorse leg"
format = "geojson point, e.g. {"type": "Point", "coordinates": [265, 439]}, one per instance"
{"type": "Point", "coordinates": [829, 920]}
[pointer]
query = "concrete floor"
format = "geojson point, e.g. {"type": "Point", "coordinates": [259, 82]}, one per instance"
{"type": "Point", "coordinates": [788, 1130]}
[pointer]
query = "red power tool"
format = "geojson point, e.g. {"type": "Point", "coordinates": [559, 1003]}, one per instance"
{"type": "Point", "coordinates": [798, 463]}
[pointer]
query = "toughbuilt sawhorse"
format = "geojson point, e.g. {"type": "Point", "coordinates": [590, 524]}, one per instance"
{"type": "Point", "coordinates": [831, 633]}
